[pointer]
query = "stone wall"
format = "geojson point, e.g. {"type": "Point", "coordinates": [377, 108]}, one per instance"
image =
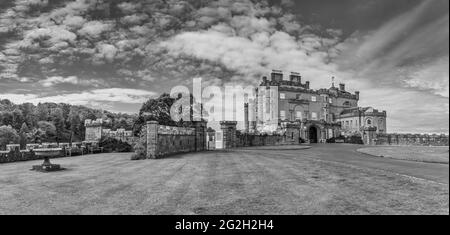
{"type": "Point", "coordinates": [248, 140]}
{"type": "Point", "coordinates": [167, 140]}
{"type": "Point", "coordinates": [16, 155]}
{"type": "Point", "coordinates": [236, 139]}
{"type": "Point", "coordinates": [370, 137]}
{"type": "Point", "coordinates": [411, 140]}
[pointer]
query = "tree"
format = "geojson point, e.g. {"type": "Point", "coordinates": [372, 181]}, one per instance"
{"type": "Point", "coordinates": [155, 110]}
{"type": "Point", "coordinates": [28, 114]}
{"type": "Point", "coordinates": [6, 118]}
{"type": "Point", "coordinates": [7, 136]}
{"type": "Point", "coordinates": [42, 112]}
{"type": "Point", "coordinates": [75, 125]}
{"type": "Point", "coordinates": [24, 135]}
{"type": "Point", "coordinates": [46, 132]}
{"type": "Point", "coordinates": [57, 117]}
{"type": "Point", "coordinates": [18, 119]}
{"type": "Point", "coordinates": [159, 110]}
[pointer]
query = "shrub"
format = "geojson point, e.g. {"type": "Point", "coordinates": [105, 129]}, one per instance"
{"type": "Point", "coordinates": [140, 151]}
{"type": "Point", "coordinates": [113, 145]}
{"type": "Point", "coordinates": [354, 139]}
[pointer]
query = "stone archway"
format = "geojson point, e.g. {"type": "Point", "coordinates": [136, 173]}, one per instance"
{"type": "Point", "coordinates": [313, 135]}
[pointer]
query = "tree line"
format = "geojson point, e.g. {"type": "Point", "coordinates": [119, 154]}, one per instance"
{"type": "Point", "coordinates": [52, 122]}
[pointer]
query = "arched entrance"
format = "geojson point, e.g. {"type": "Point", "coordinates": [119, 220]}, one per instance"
{"type": "Point", "coordinates": [313, 137]}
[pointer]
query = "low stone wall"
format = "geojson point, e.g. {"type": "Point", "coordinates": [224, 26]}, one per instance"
{"type": "Point", "coordinates": [411, 140]}
{"type": "Point", "coordinates": [248, 140]}
{"type": "Point", "coordinates": [16, 155]}
{"type": "Point", "coordinates": [167, 140]}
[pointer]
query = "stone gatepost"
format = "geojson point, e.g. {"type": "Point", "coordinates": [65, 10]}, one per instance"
{"type": "Point", "coordinates": [369, 135]}
{"type": "Point", "coordinates": [152, 139]}
{"type": "Point", "coordinates": [200, 135]}
{"type": "Point", "coordinates": [229, 134]}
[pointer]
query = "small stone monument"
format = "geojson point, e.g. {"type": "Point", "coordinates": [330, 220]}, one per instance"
{"type": "Point", "coordinates": [47, 153]}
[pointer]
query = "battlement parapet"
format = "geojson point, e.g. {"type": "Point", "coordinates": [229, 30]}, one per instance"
{"type": "Point", "coordinates": [93, 123]}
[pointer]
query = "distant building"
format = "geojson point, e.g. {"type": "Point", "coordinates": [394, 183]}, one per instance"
{"type": "Point", "coordinates": [95, 132]}
{"type": "Point", "coordinates": [319, 114]}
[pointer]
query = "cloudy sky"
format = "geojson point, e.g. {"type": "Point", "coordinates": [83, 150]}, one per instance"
{"type": "Point", "coordinates": [116, 54]}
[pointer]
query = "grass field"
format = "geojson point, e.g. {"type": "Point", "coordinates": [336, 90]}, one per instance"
{"type": "Point", "coordinates": [411, 153]}
{"type": "Point", "coordinates": [237, 182]}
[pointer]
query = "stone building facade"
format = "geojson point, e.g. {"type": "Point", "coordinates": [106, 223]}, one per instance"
{"type": "Point", "coordinates": [282, 103]}
{"type": "Point", "coordinates": [95, 132]}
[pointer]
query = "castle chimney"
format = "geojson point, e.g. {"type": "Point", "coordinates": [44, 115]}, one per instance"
{"type": "Point", "coordinates": [277, 75]}
{"type": "Point", "coordinates": [342, 87]}
{"type": "Point", "coordinates": [295, 77]}
{"type": "Point", "coordinates": [307, 85]}
{"type": "Point", "coordinates": [357, 95]}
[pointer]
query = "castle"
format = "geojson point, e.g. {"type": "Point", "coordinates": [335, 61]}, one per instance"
{"type": "Point", "coordinates": [95, 132]}
{"type": "Point", "coordinates": [284, 105]}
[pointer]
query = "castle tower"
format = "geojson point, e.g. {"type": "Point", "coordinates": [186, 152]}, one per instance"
{"type": "Point", "coordinates": [93, 130]}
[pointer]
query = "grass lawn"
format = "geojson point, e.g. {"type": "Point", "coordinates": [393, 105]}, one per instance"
{"type": "Point", "coordinates": [236, 182]}
{"type": "Point", "coordinates": [411, 153]}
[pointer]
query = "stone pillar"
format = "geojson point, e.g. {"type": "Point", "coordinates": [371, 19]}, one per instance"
{"type": "Point", "coordinates": [370, 135]}
{"type": "Point", "coordinates": [152, 139]}
{"type": "Point", "coordinates": [229, 134]}
{"type": "Point", "coordinates": [211, 139]}
{"type": "Point", "coordinates": [246, 122]}
{"type": "Point", "coordinates": [200, 135]}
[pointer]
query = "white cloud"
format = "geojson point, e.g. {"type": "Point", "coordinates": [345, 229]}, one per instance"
{"type": "Point", "coordinates": [98, 96]}
{"type": "Point", "coordinates": [107, 52]}
{"type": "Point", "coordinates": [94, 29]}
{"type": "Point", "coordinates": [257, 55]}
{"type": "Point", "coordinates": [51, 81]}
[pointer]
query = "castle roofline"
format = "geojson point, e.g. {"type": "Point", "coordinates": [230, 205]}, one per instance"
{"type": "Point", "coordinates": [295, 84]}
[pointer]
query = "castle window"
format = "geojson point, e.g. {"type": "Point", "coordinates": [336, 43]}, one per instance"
{"type": "Point", "coordinates": [282, 96]}
{"type": "Point", "coordinates": [314, 116]}
{"type": "Point", "coordinates": [283, 115]}
{"type": "Point", "coordinates": [330, 100]}
{"type": "Point", "coordinates": [369, 122]}
{"type": "Point", "coordinates": [313, 98]}
{"type": "Point", "coordinates": [298, 115]}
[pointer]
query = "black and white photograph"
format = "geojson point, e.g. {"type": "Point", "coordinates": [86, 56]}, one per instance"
{"type": "Point", "coordinates": [240, 108]}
